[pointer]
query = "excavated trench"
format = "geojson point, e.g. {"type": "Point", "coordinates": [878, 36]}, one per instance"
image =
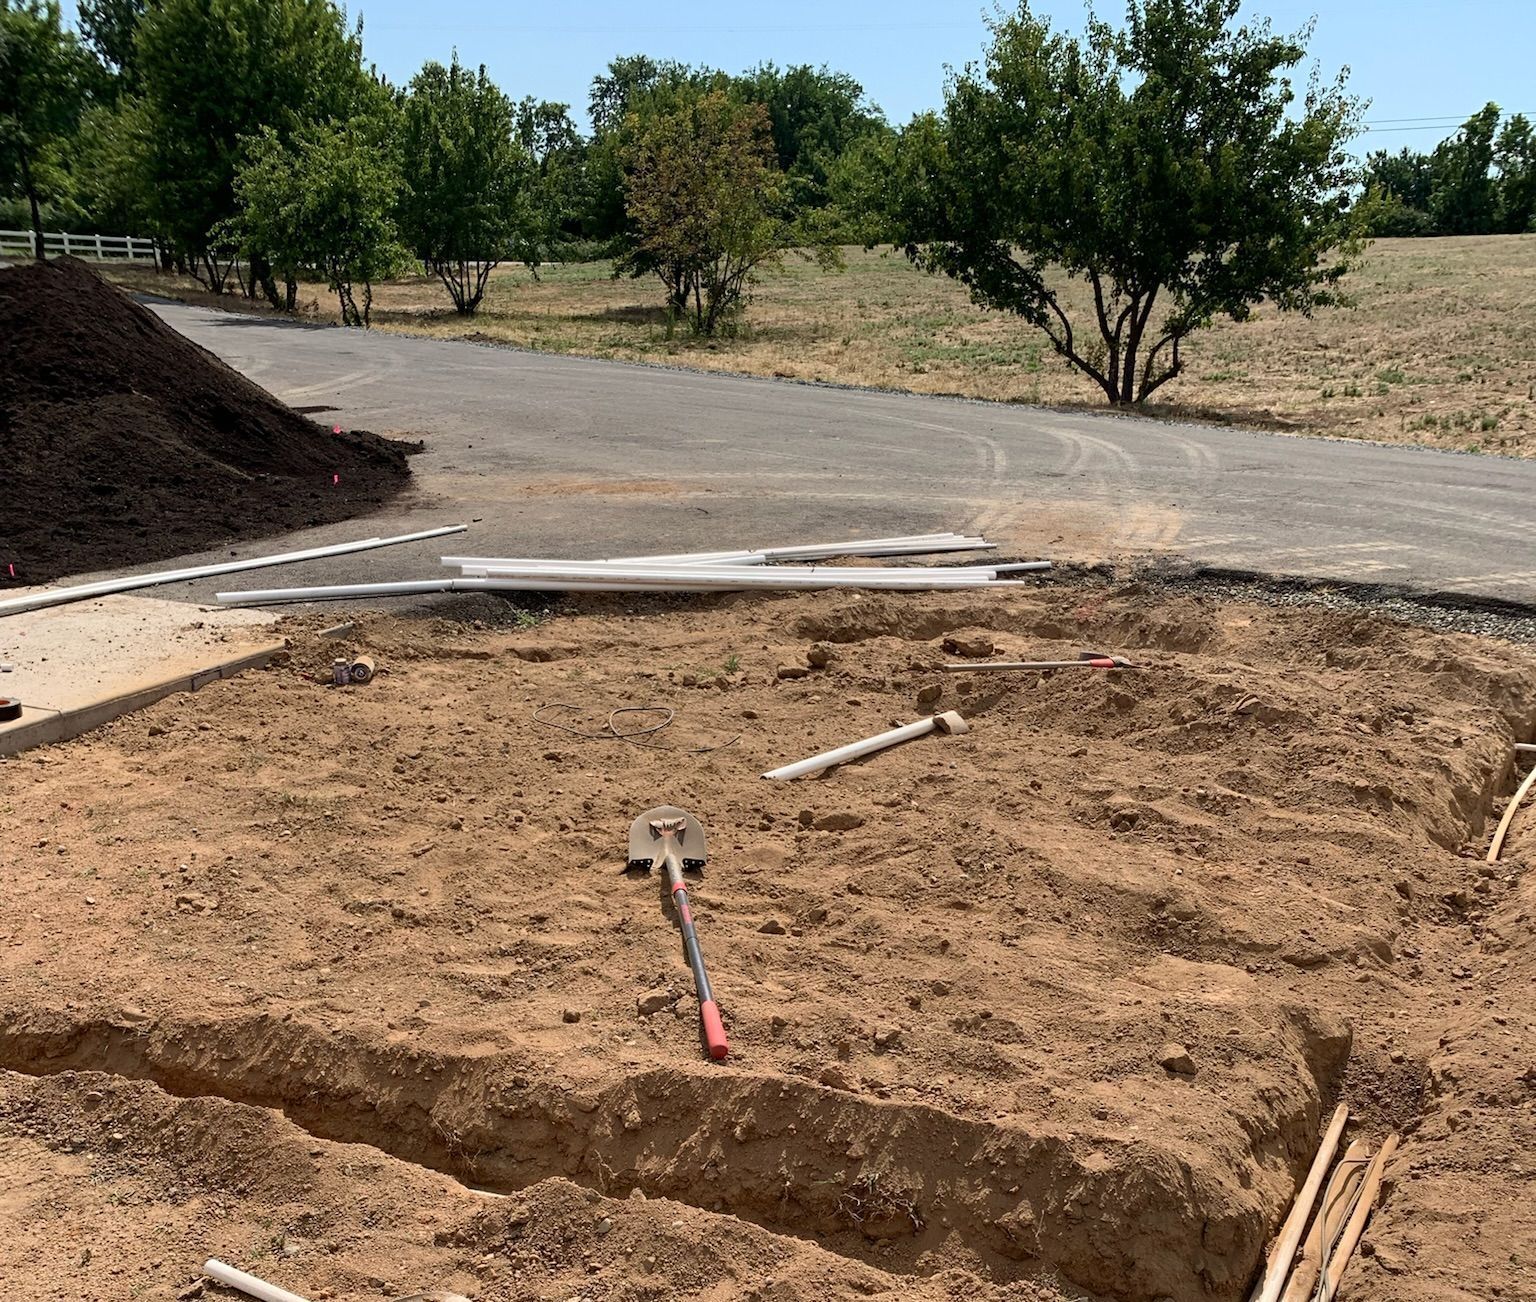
{"type": "Point", "coordinates": [876, 1181]}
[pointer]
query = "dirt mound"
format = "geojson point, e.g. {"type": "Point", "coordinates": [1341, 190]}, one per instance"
{"type": "Point", "coordinates": [122, 442]}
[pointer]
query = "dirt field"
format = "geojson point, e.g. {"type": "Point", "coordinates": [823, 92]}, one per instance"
{"type": "Point", "coordinates": [346, 986]}
{"type": "Point", "coordinates": [1440, 350]}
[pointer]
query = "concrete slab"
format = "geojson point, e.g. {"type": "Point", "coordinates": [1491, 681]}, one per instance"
{"type": "Point", "coordinates": [76, 667]}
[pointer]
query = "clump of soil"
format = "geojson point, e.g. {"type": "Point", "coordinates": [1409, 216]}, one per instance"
{"type": "Point", "coordinates": [1051, 1010]}
{"type": "Point", "coordinates": [122, 442]}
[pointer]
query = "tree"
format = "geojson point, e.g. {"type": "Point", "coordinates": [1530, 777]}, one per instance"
{"type": "Point", "coordinates": [109, 174]}
{"type": "Point", "coordinates": [325, 200]}
{"type": "Point", "coordinates": [109, 28]}
{"type": "Point", "coordinates": [616, 93]}
{"type": "Point", "coordinates": [1166, 164]}
{"type": "Point", "coordinates": [1462, 195]}
{"type": "Point", "coordinates": [815, 115]}
{"type": "Point", "coordinates": [466, 203]}
{"type": "Point", "coordinates": [214, 73]}
{"type": "Point", "coordinates": [1515, 157]}
{"type": "Point", "coordinates": [44, 88]}
{"type": "Point", "coordinates": [707, 203]}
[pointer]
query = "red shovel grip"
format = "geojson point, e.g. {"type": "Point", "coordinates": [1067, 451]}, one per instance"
{"type": "Point", "coordinates": [714, 1029]}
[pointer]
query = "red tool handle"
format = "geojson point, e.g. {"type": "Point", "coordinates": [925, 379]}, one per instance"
{"type": "Point", "coordinates": [714, 1029]}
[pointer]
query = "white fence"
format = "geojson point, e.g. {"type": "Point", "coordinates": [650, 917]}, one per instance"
{"type": "Point", "coordinates": [97, 248]}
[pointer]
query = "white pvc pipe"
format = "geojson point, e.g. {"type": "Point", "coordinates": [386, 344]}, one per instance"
{"type": "Point", "coordinates": [248, 1284]}
{"type": "Point", "coordinates": [915, 546]}
{"type": "Point", "coordinates": [949, 722]}
{"type": "Point", "coordinates": [742, 579]}
{"type": "Point", "coordinates": [343, 592]}
{"type": "Point", "coordinates": [105, 587]}
{"type": "Point", "coordinates": [889, 547]}
{"type": "Point", "coordinates": [1524, 748]}
{"type": "Point", "coordinates": [541, 569]}
{"type": "Point", "coordinates": [337, 592]}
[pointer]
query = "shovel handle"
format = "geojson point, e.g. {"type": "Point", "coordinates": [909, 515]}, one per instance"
{"type": "Point", "coordinates": [714, 1029]}
{"type": "Point", "coordinates": [709, 1010]}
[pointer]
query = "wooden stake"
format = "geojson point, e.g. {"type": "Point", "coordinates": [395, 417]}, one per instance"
{"type": "Point", "coordinates": [1279, 1264]}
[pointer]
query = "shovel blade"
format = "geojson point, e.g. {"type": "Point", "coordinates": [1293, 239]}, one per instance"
{"type": "Point", "coordinates": [645, 837]}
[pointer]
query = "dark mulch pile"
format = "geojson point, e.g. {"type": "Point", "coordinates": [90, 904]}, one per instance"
{"type": "Point", "coordinates": [122, 443]}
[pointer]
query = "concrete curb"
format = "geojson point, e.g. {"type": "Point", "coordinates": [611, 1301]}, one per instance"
{"type": "Point", "coordinates": [41, 727]}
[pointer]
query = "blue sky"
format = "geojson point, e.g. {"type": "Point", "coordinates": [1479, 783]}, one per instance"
{"type": "Point", "coordinates": [1413, 59]}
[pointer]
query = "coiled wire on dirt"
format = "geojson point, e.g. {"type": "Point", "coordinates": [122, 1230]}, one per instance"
{"type": "Point", "coordinates": [633, 735]}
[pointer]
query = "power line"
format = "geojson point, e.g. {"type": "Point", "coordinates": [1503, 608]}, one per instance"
{"type": "Point", "coordinates": [1429, 124]}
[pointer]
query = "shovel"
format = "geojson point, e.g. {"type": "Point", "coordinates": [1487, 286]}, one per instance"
{"type": "Point", "coordinates": [669, 838]}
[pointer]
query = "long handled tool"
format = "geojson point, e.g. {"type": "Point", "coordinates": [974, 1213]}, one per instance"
{"type": "Point", "coordinates": [671, 839]}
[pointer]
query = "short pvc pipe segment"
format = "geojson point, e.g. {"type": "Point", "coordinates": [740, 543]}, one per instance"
{"type": "Point", "coordinates": [247, 1284]}
{"type": "Point", "coordinates": [949, 722]}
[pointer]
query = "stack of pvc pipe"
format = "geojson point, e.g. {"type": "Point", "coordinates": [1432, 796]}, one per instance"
{"type": "Point", "coordinates": [688, 572]}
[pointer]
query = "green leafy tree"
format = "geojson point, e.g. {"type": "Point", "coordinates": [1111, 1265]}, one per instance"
{"type": "Point", "coordinates": [815, 116]}
{"type": "Point", "coordinates": [326, 200]}
{"type": "Point", "coordinates": [707, 203]}
{"type": "Point", "coordinates": [468, 182]}
{"type": "Point", "coordinates": [1398, 188]}
{"type": "Point", "coordinates": [1383, 215]}
{"type": "Point", "coordinates": [110, 168]}
{"type": "Point", "coordinates": [616, 91]}
{"type": "Point", "coordinates": [213, 73]}
{"type": "Point", "coordinates": [1168, 164]}
{"type": "Point", "coordinates": [45, 80]}
{"type": "Point", "coordinates": [558, 200]}
{"type": "Point", "coordinates": [1463, 195]}
{"type": "Point", "coordinates": [1515, 157]}
{"type": "Point", "coordinates": [109, 28]}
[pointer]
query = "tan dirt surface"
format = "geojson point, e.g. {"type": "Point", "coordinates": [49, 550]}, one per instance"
{"type": "Point", "coordinates": [304, 977]}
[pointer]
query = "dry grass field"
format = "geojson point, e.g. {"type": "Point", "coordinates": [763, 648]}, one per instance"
{"type": "Point", "coordinates": [1440, 348]}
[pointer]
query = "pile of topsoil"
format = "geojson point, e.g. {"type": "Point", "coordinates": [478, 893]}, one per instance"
{"type": "Point", "coordinates": [121, 442]}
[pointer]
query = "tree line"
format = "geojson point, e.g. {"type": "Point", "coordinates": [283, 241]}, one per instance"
{"type": "Point", "coordinates": [1479, 181]}
{"type": "Point", "coordinates": [1185, 166]}
{"type": "Point", "coordinates": [254, 142]}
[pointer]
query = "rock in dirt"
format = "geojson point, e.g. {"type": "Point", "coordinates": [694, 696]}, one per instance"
{"type": "Point", "coordinates": [837, 1079]}
{"type": "Point", "coordinates": [841, 821]}
{"type": "Point", "coordinates": [930, 694]}
{"type": "Point", "coordinates": [969, 648]}
{"type": "Point", "coordinates": [1175, 1058]}
{"type": "Point", "coordinates": [124, 442]}
{"type": "Point", "coordinates": [820, 656]}
{"type": "Point", "coordinates": [653, 1001]}
{"type": "Point", "coordinates": [887, 1038]}
{"type": "Point", "coordinates": [571, 1015]}
{"type": "Point", "coordinates": [772, 927]}
{"type": "Point", "coordinates": [793, 671]}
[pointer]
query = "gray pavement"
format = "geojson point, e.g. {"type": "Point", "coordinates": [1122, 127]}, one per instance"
{"type": "Point", "coordinates": [574, 457]}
